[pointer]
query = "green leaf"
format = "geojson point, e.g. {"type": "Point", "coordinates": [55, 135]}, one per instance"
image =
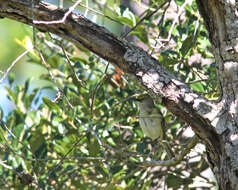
{"type": "Point", "coordinates": [74, 98]}
{"type": "Point", "coordinates": [51, 105]}
{"type": "Point", "coordinates": [141, 148]}
{"type": "Point", "coordinates": [54, 61]}
{"type": "Point", "coordinates": [141, 33]}
{"type": "Point", "coordinates": [127, 17]}
{"type": "Point", "coordinates": [1, 113]}
{"type": "Point", "coordinates": [93, 147]}
{"type": "Point", "coordinates": [112, 187]}
{"type": "Point", "coordinates": [26, 86]}
{"type": "Point", "coordinates": [187, 44]}
{"type": "Point", "coordinates": [102, 170]}
{"type": "Point", "coordinates": [2, 134]}
{"type": "Point", "coordinates": [17, 130]}
{"type": "Point", "coordinates": [126, 21]}
{"type": "Point", "coordinates": [197, 87]}
{"type": "Point", "coordinates": [11, 78]}
{"type": "Point", "coordinates": [26, 43]}
{"type": "Point", "coordinates": [176, 181]}
{"type": "Point", "coordinates": [36, 140]}
{"type": "Point", "coordinates": [11, 94]}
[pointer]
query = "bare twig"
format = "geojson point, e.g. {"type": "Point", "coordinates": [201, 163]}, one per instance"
{"type": "Point", "coordinates": [16, 154]}
{"type": "Point", "coordinates": [6, 166]}
{"type": "Point", "coordinates": [91, 130]}
{"type": "Point", "coordinates": [176, 159]}
{"type": "Point", "coordinates": [24, 177]}
{"type": "Point", "coordinates": [71, 9]}
{"type": "Point", "coordinates": [10, 133]}
{"type": "Point", "coordinates": [8, 144]}
{"type": "Point", "coordinates": [86, 7]}
{"type": "Point", "coordinates": [132, 173]}
{"type": "Point", "coordinates": [99, 13]}
{"type": "Point", "coordinates": [175, 20]}
{"type": "Point", "coordinates": [104, 153]}
{"type": "Point", "coordinates": [60, 91]}
{"type": "Point", "coordinates": [97, 87]}
{"type": "Point", "coordinates": [80, 82]}
{"type": "Point", "coordinates": [61, 3]}
{"type": "Point", "coordinates": [147, 16]}
{"type": "Point", "coordinates": [66, 54]}
{"type": "Point", "coordinates": [12, 65]}
{"type": "Point", "coordinates": [64, 157]}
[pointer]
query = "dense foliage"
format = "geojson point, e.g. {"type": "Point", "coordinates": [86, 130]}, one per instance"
{"type": "Point", "coordinates": [87, 135]}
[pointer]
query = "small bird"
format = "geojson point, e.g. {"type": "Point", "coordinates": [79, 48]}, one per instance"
{"type": "Point", "coordinates": [150, 118]}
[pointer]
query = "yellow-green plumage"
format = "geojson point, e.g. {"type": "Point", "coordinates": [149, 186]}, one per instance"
{"type": "Point", "coordinates": [150, 119]}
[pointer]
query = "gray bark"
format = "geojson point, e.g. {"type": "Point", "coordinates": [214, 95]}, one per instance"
{"type": "Point", "coordinates": [221, 20]}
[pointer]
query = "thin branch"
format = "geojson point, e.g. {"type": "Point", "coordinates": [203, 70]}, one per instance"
{"type": "Point", "coordinates": [16, 154]}
{"type": "Point", "coordinates": [147, 16]}
{"type": "Point", "coordinates": [11, 134]}
{"type": "Point", "coordinates": [80, 82]}
{"type": "Point", "coordinates": [64, 157]}
{"type": "Point", "coordinates": [176, 159]}
{"type": "Point", "coordinates": [12, 65]}
{"type": "Point", "coordinates": [91, 130]}
{"type": "Point", "coordinates": [60, 91]}
{"type": "Point", "coordinates": [6, 166]}
{"type": "Point", "coordinates": [157, 41]}
{"type": "Point", "coordinates": [8, 145]}
{"type": "Point", "coordinates": [175, 20]}
{"type": "Point", "coordinates": [98, 85]}
{"type": "Point", "coordinates": [71, 9]}
{"type": "Point", "coordinates": [132, 173]}
{"type": "Point", "coordinates": [101, 14]}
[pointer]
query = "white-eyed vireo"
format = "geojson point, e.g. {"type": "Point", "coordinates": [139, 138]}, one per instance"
{"type": "Point", "coordinates": [150, 118]}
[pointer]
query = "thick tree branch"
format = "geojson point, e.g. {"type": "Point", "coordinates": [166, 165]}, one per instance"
{"type": "Point", "coordinates": [176, 96]}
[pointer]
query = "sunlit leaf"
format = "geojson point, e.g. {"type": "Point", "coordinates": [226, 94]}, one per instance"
{"type": "Point", "coordinates": [51, 105]}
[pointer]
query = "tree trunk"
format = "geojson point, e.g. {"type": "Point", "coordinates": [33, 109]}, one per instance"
{"type": "Point", "coordinates": [214, 122]}
{"type": "Point", "coordinates": [221, 18]}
